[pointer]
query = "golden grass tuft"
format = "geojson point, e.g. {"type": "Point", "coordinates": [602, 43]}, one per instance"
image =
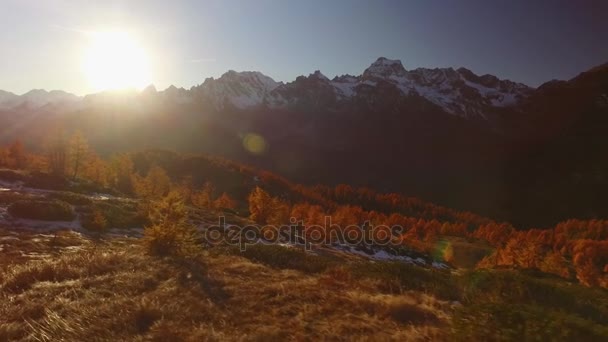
{"type": "Point", "coordinates": [114, 291]}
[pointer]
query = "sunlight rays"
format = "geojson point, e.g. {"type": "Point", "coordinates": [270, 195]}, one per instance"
{"type": "Point", "coordinates": [115, 60]}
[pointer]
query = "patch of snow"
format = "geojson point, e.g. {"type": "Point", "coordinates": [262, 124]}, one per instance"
{"type": "Point", "coordinates": [101, 197]}
{"type": "Point", "coordinates": [345, 88]}
{"type": "Point", "coordinates": [440, 265]}
{"type": "Point", "coordinates": [241, 89]}
{"type": "Point", "coordinates": [136, 232]}
{"type": "Point", "coordinates": [9, 238]}
{"type": "Point", "coordinates": [370, 83]}
{"type": "Point", "coordinates": [11, 185]}
{"type": "Point", "coordinates": [379, 255]}
{"type": "Point", "coordinates": [47, 225]}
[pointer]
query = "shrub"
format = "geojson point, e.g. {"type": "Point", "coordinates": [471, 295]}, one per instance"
{"type": "Point", "coordinates": [509, 286]}
{"type": "Point", "coordinates": [287, 257]}
{"type": "Point", "coordinates": [12, 175]}
{"type": "Point", "coordinates": [118, 214]}
{"type": "Point", "coordinates": [411, 277]}
{"type": "Point", "coordinates": [48, 210]}
{"type": "Point", "coordinates": [43, 180]}
{"type": "Point", "coordinates": [509, 322]}
{"type": "Point", "coordinates": [96, 222]}
{"type": "Point", "coordinates": [8, 197]}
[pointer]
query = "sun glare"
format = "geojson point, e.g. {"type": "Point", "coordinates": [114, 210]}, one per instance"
{"type": "Point", "coordinates": [114, 60]}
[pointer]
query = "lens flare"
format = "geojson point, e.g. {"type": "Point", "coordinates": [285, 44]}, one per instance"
{"type": "Point", "coordinates": [254, 143]}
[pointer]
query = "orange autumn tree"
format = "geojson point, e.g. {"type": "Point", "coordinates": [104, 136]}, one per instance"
{"type": "Point", "coordinates": [266, 209]}
{"type": "Point", "coordinates": [17, 155]}
{"type": "Point", "coordinates": [591, 262]}
{"type": "Point", "coordinates": [96, 170]}
{"type": "Point", "coordinates": [155, 185]}
{"type": "Point", "coordinates": [204, 198]}
{"type": "Point", "coordinates": [225, 202]}
{"type": "Point", "coordinates": [260, 205]}
{"type": "Point", "coordinates": [78, 152]}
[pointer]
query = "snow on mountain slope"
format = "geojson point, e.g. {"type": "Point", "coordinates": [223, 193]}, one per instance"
{"type": "Point", "coordinates": [459, 92]}
{"type": "Point", "coordinates": [384, 67]}
{"type": "Point", "coordinates": [345, 85]}
{"type": "Point", "coordinates": [240, 89]}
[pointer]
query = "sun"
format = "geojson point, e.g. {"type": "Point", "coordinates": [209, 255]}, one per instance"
{"type": "Point", "coordinates": [114, 60]}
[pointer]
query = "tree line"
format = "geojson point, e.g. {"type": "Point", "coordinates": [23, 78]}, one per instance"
{"type": "Point", "coordinates": [574, 249]}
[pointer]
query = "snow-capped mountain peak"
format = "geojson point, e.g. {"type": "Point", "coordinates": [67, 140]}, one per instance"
{"type": "Point", "coordinates": [459, 92]}
{"type": "Point", "coordinates": [240, 89]}
{"type": "Point", "coordinates": [456, 91]}
{"type": "Point", "coordinates": [384, 67]}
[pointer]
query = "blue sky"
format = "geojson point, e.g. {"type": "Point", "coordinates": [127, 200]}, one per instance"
{"type": "Point", "coordinates": [42, 42]}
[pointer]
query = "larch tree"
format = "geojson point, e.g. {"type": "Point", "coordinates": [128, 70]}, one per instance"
{"type": "Point", "coordinates": [204, 197]}
{"type": "Point", "coordinates": [57, 154]}
{"type": "Point", "coordinates": [79, 151]}
{"type": "Point", "coordinates": [121, 169]}
{"type": "Point", "coordinates": [225, 202]}
{"type": "Point", "coordinates": [169, 233]}
{"type": "Point", "coordinates": [260, 205]}
{"type": "Point", "coordinates": [95, 169]}
{"type": "Point", "coordinates": [17, 154]}
{"type": "Point", "coordinates": [156, 184]}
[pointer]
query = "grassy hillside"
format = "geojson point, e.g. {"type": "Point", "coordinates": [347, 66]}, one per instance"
{"type": "Point", "coordinates": [67, 286]}
{"type": "Point", "coordinates": [120, 255]}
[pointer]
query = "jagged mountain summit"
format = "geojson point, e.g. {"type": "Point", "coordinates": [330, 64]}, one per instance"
{"type": "Point", "coordinates": [459, 92]}
{"type": "Point", "coordinates": [37, 98]}
{"type": "Point", "coordinates": [240, 89]}
{"type": "Point", "coordinates": [448, 135]}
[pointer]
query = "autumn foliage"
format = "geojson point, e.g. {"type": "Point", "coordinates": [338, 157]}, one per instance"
{"type": "Point", "coordinates": [573, 249]}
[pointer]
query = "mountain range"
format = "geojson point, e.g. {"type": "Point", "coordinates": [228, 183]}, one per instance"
{"type": "Point", "coordinates": [529, 155]}
{"type": "Point", "coordinates": [459, 92]}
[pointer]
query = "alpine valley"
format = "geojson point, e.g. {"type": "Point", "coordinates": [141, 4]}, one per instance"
{"type": "Point", "coordinates": [496, 147]}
